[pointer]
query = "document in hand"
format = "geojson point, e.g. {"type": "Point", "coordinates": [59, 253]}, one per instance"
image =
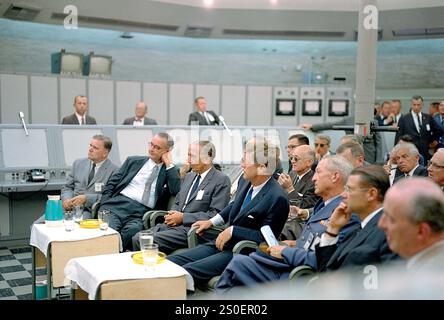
{"type": "Point", "coordinates": [269, 236]}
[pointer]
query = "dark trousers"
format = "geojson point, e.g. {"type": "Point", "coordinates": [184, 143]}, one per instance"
{"type": "Point", "coordinates": [126, 217]}
{"type": "Point", "coordinates": [203, 262]}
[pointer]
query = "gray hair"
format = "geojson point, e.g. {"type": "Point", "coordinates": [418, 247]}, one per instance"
{"type": "Point", "coordinates": [323, 137]}
{"type": "Point", "coordinates": [107, 143]}
{"type": "Point", "coordinates": [168, 138]}
{"type": "Point", "coordinates": [353, 137]}
{"type": "Point", "coordinates": [411, 148]}
{"type": "Point", "coordinates": [355, 148]}
{"type": "Point", "coordinates": [338, 164]}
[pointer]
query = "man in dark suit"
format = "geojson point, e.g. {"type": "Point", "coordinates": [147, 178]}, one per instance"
{"type": "Point", "coordinates": [353, 153]}
{"type": "Point", "coordinates": [203, 116]}
{"type": "Point", "coordinates": [421, 127]}
{"type": "Point", "coordinates": [140, 118]}
{"type": "Point", "coordinates": [300, 189]}
{"type": "Point", "coordinates": [88, 176]}
{"type": "Point", "coordinates": [439, 119]}
{"type": "Point", "coordinates": [407, 160]}
{"type": "Point", "coordinates": [140, 185]}
{"type": "Point", "coordinates": [79, 116]}
{"type": "Point", "coordinates": [204, 193]}
{"type": "Point", "coordinates": [295, 141]}
{"type": "Point", "coordinates": [330, 177]}
{"type": "Point", "coordinates": [364, 194]}
{"type": "Point", "coordinates": [259, 201]}
{"type": "Point", "coordinates": [385, 117]}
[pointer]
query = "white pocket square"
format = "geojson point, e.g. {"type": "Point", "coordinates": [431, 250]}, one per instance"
{"type": "Point", "coordinates": [250, 216]}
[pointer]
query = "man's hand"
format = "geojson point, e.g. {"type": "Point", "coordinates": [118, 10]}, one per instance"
{"type": "Point", "coordinates": [223, 238]}
{"type": "Point", "coordinates": [67, 205]}
{"type": "Point", "coordinates": [285, 181]}
{"type": "Point", "coordinates": [307, 126]}
{"type": "Point", "coordinates": [290, 243]}
{"type": "Point", "coordinates": [339, 218]}
{"type": "Point", "coordinates": [298, 212]}
{"type": "Point", "coordinates": [174, 218]}
{"type": "Point", "coordinates": [202, 226]}
{"type": "Point", "coordinates": [276, 251]}
{"type": "Point", "coordinates": [167, 158]}
{"type": "Point", "coordinates": [78, 200]}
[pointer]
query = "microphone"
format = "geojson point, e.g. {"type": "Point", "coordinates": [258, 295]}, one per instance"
{"type": "Point", "coordinates": [22, 118]}
{"type": "Point", "coordinates": [221, 118]}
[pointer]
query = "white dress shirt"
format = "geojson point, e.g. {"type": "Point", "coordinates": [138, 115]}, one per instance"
{"type": "Point", "coordinates": [79, 118]}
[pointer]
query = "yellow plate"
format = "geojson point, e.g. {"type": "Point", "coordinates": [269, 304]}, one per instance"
{"type": "Point", "coordinates": [137, 257]}
{"type": "Point", "coordinates": [89, 223]}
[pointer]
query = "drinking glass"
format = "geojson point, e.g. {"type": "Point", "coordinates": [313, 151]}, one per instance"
{"type": "Point", "coordinates": [150, 253]}
{"type": "Point", "coordinates": [146, 237]}
{"type": "Point", "coordinates": [78, 209]}
{"type": "Point", "coordinates": [68, 220]}
{"type": "Point", "coordinates": [104, 216]}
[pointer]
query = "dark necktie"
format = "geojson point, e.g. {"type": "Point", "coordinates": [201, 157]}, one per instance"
{"type": "Point", "coordinates": [92, 172]}
{"type": "Point", "coordinates": [195, 186]}
{"type": "Point", "coordinates": [295, 181]}
{"type": "Point", "coordinates": [82, 122]}
{"type": "Point", "coordinates": [149, 182]}
{"type": "Point", "coordinates": [419, 122]}
{"type": "Point", "coordinates": [247, 199]}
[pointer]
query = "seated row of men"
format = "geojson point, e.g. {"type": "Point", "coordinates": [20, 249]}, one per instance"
{"type": "Point", "coordinates": [318, 227]}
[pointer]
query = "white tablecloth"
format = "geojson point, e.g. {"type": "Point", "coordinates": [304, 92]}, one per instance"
{"type": "Point", "coordinates": [42, 235]}
{"type": "Point", "coordinates": [90, 272]}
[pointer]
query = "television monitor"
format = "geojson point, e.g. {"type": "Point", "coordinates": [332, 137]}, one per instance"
{"type": "Point", "coordinates": [98, 65]}
{"type": "Point", "coordinates": [285, 107]}
{"type": "Point", "coordinates": [311, 107]}
{"type": "Point", "coordinates": [67, 63]}
{"type": "Point", "coordinates": [338, 108]}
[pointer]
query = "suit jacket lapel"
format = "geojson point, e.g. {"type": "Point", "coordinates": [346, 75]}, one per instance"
{"type": "Point", "coordinates": [100, 172]}
{"type": "Point", "coordinates": [161, 179]}
{"type": "Point", "coordinates": [254, 201]}
{"type": "Point", "coordinates": [186, 188]}
{"type": "Point", "coordinates": [202, 184]}
{"type": "Point", "coordinates": [325, 212]}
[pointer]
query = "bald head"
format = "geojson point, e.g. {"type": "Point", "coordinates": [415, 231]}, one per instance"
{"type": "Point", "coordinates": [413, 217]}
{"type": "Point", "coordinates": [141, 109]}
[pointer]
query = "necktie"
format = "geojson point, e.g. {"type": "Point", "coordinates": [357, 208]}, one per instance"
{"type": "Point", "coordinates": [195, 186]}
{"type": "Point", "coordinates": [295, 181]}
{"type": "Point", "coordinates": [419, 122]}
{"type": "Point", "coordinates": [147, 190]}
{"type": "Point", "coordinates": [206, 118]}
{"type": "Point", "coordinates": [92, 172]}
{"type": "Point", "coordinates": [318, 207]}
{"type": "Point", "coordinates": [247, 199]}
{"type": "Point", "coordinates": [82, 122]}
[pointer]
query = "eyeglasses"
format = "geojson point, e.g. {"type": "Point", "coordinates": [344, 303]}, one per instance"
{"type": "Point", "coordinates": [292, 146]}
{"type": "Point", "coordinates": [433, 164]}
{"type": "Point", "coordinates": [320, 145]}
{"type": "Point", "coordinates": [294, 158]}
{"type": "Point", "coordinates": [348, 189]}
{"type": "Point", "coordinates": [156, 147]}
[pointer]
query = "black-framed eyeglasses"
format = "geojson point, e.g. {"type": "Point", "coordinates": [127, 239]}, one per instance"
{"type": "Point", "coordinates": [435, 165]}
{"type": "Point", "coordinates": [156, 147]}
{"type": "Point", "coordinates": [320, 145]}
{"type": "Point", "coordinates": [348, 189]}
{"type": "Point", "coordinates": [294, 158]}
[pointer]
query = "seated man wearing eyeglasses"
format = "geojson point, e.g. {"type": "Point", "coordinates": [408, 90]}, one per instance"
{"type": "Point", "coordinates": [141, 184]}
{"type": "Point", "coordinates": [436, 168]}
{"type": "Point", "coordinates": [322, 146]}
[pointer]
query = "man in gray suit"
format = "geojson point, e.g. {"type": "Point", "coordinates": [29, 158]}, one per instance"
{"type": "Point", "coordinates": [79, 116]}
{"type": "Point", "coordinates": [203, 116]}
{"type": "Point", "coordinates": [88, 176]}
{"type": "Point", "coordinates": [140, 118]}
{"type": "Point", "coordinates": [205, 191]}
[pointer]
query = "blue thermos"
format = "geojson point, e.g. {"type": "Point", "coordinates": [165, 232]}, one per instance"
{"type": "Point", "coordinates": [54, 212]}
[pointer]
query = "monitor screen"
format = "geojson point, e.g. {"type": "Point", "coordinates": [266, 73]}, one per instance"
{"type": "Point", "coordinates": [285, 107]}
{"type": "Point", "coordinates": [338, 108]}
{"type": "Point", "coordinates": [71, 63]}
{"type": "Point", "coordinates": [99, 64]}
{"type": "Point", "coordinates": [311, 107]}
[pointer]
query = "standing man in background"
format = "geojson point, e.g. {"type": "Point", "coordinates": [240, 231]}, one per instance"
{"type": "Point", "coordinates": [202, 116]}
{"type": "Point", "coordinates": [79, 116]}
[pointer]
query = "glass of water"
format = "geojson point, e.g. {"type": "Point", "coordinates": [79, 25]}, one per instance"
{"type": "Point", "coordinates": [104, 216]}
{"type": "Point", "coordinates": [68, 220]}
{"type": "Point", "coordinates": [150, 253]}
{"type": "Point", "coordinates": [146, 237]}
{"type": "Point", "coordinates": [78, 209]}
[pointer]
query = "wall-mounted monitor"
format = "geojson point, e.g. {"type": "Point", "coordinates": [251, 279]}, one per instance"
{"type": "Point", "coordinates": [338, 108]}
{"type": "Point", "coordinates": [312, 107]}
{"type": "Point", "coordinates": [97, 65]}
{"type": "Point", "coordinates": [285, 107]}
{"type": "Point", "coordinates": [67, 63]}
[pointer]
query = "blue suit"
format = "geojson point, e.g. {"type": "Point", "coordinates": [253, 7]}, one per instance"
{"type": "Point", "coordinates": [256, 268]}
{"type": "Point", "coordinates": [269, 207]}
{"type": "Point", "coordinates": [361, 247]}
{"type": "Point", "coordinates": [440, 121]}
{"type": "Point", "coordinates": [126, 213]}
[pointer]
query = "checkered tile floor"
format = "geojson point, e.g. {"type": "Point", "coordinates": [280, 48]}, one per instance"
{"type": "Point", "coordinates": [15, 273]}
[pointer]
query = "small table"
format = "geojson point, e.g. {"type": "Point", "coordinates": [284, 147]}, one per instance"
{"type": "Point", "coordinates": [53, 247]}
{"type": "Point", "coordinates": [117, 276]}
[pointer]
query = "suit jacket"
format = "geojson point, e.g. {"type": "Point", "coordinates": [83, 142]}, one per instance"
{"type": "Point", "coordinates": [304, 186]}
{"type": "Point", "coordinates": [431, 260]}
{"type": "Point", "coordinates": [419, 171]}
{"type": "Point", "coordinates": [168, 181]}
{"type": "Point", "coordinates": [437, 118]}
{"type": "Point", "coordinates": [269, 207]}
{"type": "Point", "coordinates": [72, 119]}
{"type": "Point", "coordinates": [216, 194]}
{"type": "Point", "coordinates": [146, 121]}
{"type": "Point", "coordinates": [430, 131]}
{"type": "Point", "coordinates": [196, 116]}
{"type": "Point", "coordinates": [362, 247]}
{"type": "Point", "coordinates": [77, 180]}
{"type": "Point", "coordinates": [303, 253]}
